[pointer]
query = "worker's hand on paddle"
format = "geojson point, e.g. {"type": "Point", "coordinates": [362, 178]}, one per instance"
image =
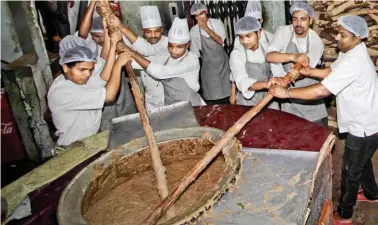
{"type": "Point", "coordinates": [123, 58]}
{"type": "Point", "coordinates": [276, 81]}
{"type": "Point", "coordinates": [296, 75]}
{"type": "Point", "coordinates": [113, 21]}
{"type": "Point", "coordinates": [115, 36]}
{"type": "Point", "coordinates": [301, 58]}
{"type": "Point", "coordinates": [306, 71]}
{"type": "Point", "coordinates": [278, 91]}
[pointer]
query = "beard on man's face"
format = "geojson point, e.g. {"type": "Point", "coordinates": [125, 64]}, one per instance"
{"type": "Point", "coordinates": [299, 30]}
{"type": "Point", "coordinates": [153, 40]}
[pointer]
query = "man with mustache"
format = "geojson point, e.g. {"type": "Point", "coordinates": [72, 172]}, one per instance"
{"type": "Point", "coordinates": [177, 69]}
{"type": "Point", "coordinates": [352, 78]}
{"type": "Point", "coordinates": [298, 43]}
{"type": "Point", "coordinates": [153, 45]}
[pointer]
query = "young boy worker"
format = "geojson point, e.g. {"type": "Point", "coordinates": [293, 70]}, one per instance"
{"type": "Point", "coordinates": [177, 69]}
{"type": "Point", "coordinates": [94, 30]}
{"type": "Point", "coordinates": [298, 43]}
{"type": "Point", "coordinates": [207, 37]}
{"type": "Point", "coordinates": [352, 78]}
{"type": "Point", "coordinates": [250, 71]}
{"type": "Point", "coordinates": [77, 97]}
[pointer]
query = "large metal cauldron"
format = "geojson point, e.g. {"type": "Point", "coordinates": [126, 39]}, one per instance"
{"type": "Point", "coordinates": [71, 202]}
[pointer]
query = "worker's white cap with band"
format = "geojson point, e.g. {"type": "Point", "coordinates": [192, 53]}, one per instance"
{"type": "Point", "coordinates": [354, 24]}
{"type": "Point", "coordinates": [70, 42]}
{"type": "Point", "coordinates": [97, 25]}
{"type": "Point", "coordinates": [78, 54]}
{"type": "Point", "coordinates": [302, 6]}
{"type": "Point", "coordinates": [197, 8]}
{"type": "Point", "coordinates": [150, 16]}
{"type": "Point", "coordinates": [253, 9]}
{"type": "Point", "coordinates": [246, 25]}
{"type": "Point", "coordinates": [179, 32]}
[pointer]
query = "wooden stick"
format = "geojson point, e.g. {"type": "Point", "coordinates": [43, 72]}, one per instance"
{"type": "Point", "coordinates": [105, 10]}
{"type": "Point", "coordinates": [154, 217]}
{"type": "Point", "coordinates": [324, 214]}
{"type": "Point", "coordinates": [155, 154]}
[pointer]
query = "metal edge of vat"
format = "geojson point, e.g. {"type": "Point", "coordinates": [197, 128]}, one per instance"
{"type": "Point", "coordinates": [69, 210]}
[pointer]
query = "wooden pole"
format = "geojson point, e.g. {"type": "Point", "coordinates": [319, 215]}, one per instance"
{"type": "Point", "coordinates": [154, 217]}
{"type": "Point", "coordinates": [155, 154]}
{"type": "Point", "coordinates": [104, 10]}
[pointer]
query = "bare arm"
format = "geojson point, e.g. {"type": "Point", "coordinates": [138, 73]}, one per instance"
{"type": "Point", "coordinates": [86, 21]}
{"type": "Point", "coordinates": [312, 92]}
{"type": "Point", "coordinates": [107, 70]}
{"type": "Point", "coordinates": [277, 57]}
{"type": "Point", "coordinates": [316, 73]}
{"type": "Point", "coordinates": [106, 46]}
{"type": "Point", "coordinates": [143, 62]}
{"type": "Point", "coordinates": [130, 35]}
{"type": "Point", "coordinates": [214, 36]}
{"type": "Point", "coordinates": [258, 85]}
{"type": "Point", "coordinates": [203, 25]}
{"type": "Point", "coordinates": [113, 84]}
{"type": "Point", "coordinates": [114, 21]}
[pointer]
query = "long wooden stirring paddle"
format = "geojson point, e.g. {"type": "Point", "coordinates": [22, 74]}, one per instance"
{"type": "Point", "coordinates": [159, 211]}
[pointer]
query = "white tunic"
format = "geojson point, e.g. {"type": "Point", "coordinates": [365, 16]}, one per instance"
{"type": "Point", "coordinates": [154, 92]}
{"type": "Point", "coordinates": [281, 40]}
{"type": "Point", "coordinates": [354, 82]}
{"type": "Point", "coordinates": [188, 69]}
{"type": "Point", "coordinates": [238, 71]}
{"type": "Point", "coordinates": [215, 25]}
{"type": "Point", "coordinates": [76, 109]}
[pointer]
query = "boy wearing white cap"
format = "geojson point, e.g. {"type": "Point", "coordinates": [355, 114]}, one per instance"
{"type": "Point", "coordinates": [254, 10]}
{"type": "Point", "coordinates": [352, 78]}
{"type": "Point", "coordinates": [152, 46]}
{"type": "Point", "coordinates": [207, 37]}
{"type": "Point", "coordinates": [77, 97]}
{"type": "Point", "coordinates": [177, 69]}
{"type": "Point", "coordinates": [93, 29]}
{"type": "Point", "coordinates": [249, 69]}
{"type": "Point", "coordinates": [299, 43]}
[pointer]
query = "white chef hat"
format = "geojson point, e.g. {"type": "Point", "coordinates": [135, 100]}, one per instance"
{"type": "Point", "coordinates": [253, 9]}
{"type": "Point", "coordinates": [179, 32]}
{"type": "Point", "coordinates": [246, 25]}
{"type": "Point", "coordinates": [355, 25]}
{"type": "Point", "coordinates": [302, 6]}
{"type": "Point", "coordinates": [197, 8]}
{"type": "Point", "coordinates": [97, 25]}
{"type": "Point", "coordinates": [150, 16]}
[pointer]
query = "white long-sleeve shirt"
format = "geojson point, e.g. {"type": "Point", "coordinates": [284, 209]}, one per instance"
{"type": "Point", "coordinates": [238, 71]}
{"type": "Point", "coordinates": [188, 69]}
{"type": "Point", "coordinates": [215, 25]}
{"type": "Point", "coordinates": [354, 82]}
{"type": "Point", "coordinates": [281, 40]}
